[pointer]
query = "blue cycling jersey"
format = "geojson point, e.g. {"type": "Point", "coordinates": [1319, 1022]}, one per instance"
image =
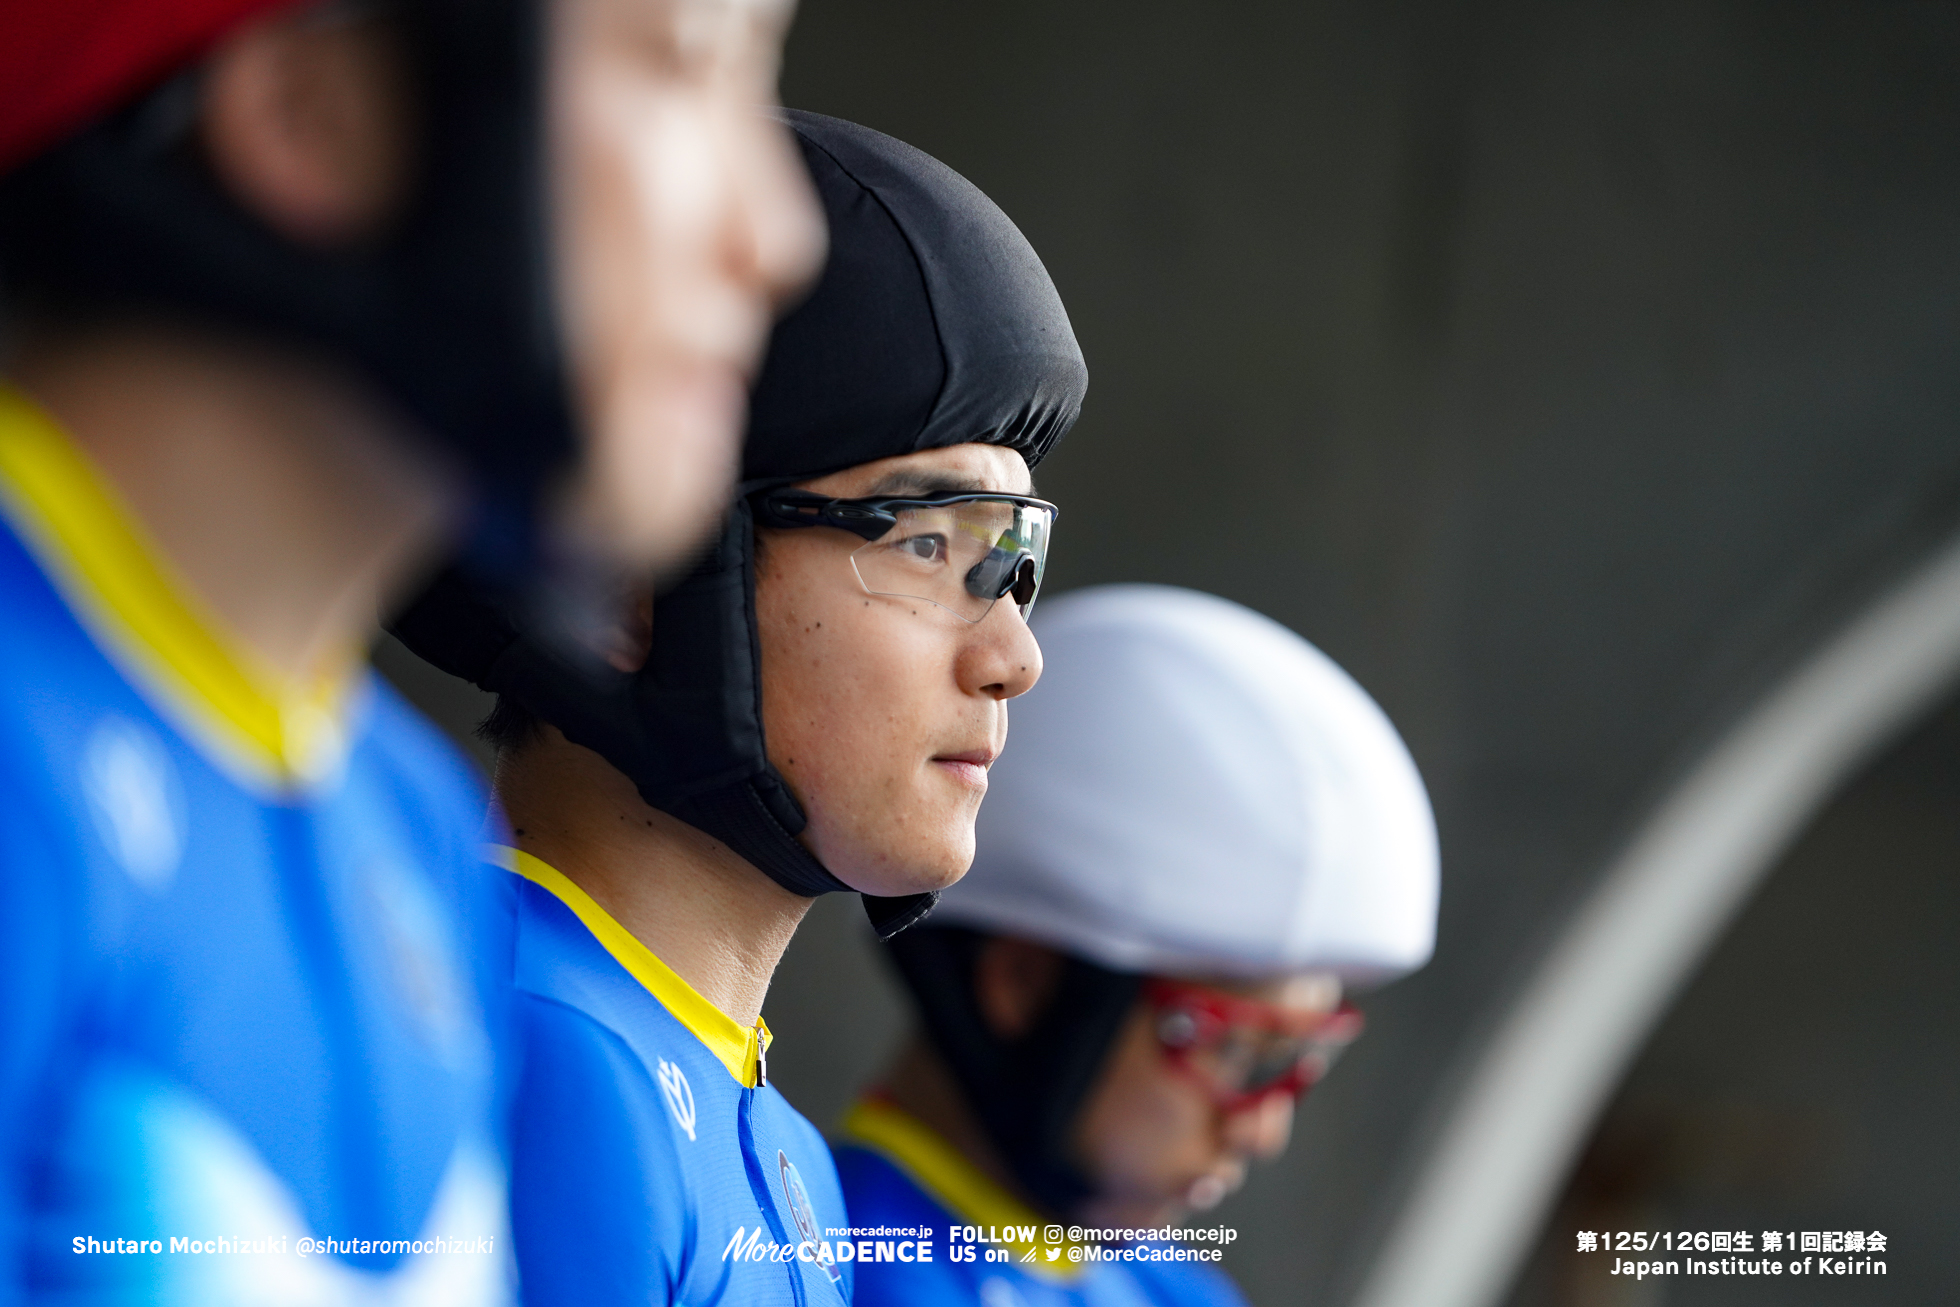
{"type": "Point", "coordinates": [899, 1174]}
{"type": "Point", "coordinates": [651, 1162]}
{"type": "Point", "coordinates": [241, 1059]}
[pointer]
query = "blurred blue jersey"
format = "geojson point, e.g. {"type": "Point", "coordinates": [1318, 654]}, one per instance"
{"type": "Point", "coordinates": [234, 924]}
{"type": "Point", "coordinates": [898, 1173]}
{"type": "Point", "coordinates": [651, 1163]}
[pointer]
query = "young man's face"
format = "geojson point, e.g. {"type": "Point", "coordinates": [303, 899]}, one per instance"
{"type": "Point", "coordinates": [884, 713]}
{"type": "Point", "coordinates": [684, 216]}
{"type": "Point", "coordinates": [1151, 1139]}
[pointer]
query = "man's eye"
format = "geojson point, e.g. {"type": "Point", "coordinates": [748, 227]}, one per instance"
{"type": "Point", "coordinates": [925, 548]}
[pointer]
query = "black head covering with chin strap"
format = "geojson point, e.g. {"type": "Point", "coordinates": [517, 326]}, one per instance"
{"type": "Point", "coordinates": [934, 324]}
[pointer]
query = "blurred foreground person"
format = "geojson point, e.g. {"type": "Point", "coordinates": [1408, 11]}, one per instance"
{"type": "Point", "coordinates": [814, 709]}
{"type": "Point", "coordinates": [280, 307]}
{"type": "Point", "coordinates": [1206, 830]}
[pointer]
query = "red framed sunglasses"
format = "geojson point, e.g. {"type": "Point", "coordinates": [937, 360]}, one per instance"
{"type": "Point", "coordinates": [1242, 1051]}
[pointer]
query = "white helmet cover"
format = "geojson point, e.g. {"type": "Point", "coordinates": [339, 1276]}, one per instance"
{"type": "Point", "coordinates": [1194, 790]}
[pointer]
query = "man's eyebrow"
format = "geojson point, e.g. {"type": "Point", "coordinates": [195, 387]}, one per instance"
{"type": "Point", "coordinates": [925, 484]}
{"type": "Point", "coordinates": [928, 485]}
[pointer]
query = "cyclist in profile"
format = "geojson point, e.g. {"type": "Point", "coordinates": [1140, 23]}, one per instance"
{"type": "Point", "coordinates": [814, 709]}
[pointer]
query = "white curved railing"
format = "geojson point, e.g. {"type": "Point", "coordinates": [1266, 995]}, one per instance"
{"type": "Point", "coordinates": [1511, 1135]}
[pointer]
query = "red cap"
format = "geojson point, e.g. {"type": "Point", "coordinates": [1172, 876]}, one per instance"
{"type": "Point", "coordinates": [63, 62]}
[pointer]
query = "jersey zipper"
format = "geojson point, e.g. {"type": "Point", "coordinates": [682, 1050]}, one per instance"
{"type": "Point", "coordinates": [761, 1170]}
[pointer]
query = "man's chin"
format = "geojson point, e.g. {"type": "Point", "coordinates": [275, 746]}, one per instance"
{"type": "Point", "coordinates": [893, 873]}
{"type": "Point", "coordinates": [1205, 1193]}
{"type": "Point", "coordinates": [925, 866]}
{"type": "Point", "coordinates": [914, 881]}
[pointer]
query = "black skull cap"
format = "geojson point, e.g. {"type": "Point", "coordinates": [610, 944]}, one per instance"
{"type": "Point", "coordinates": [934, 324]}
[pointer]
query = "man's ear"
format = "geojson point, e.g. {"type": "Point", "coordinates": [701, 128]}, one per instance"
{"type": "Point", "coordinates": [1013, 981]}
{"type": "Point", "coordinates": [305, 119]}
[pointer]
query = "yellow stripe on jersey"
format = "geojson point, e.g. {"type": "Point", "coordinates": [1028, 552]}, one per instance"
{"type": "Point", "coordinates": [262, 729]}
{"type": "Point", "coordinates": [955, 1183]}
{"type": "Point", "coordinates": [739, 1048]}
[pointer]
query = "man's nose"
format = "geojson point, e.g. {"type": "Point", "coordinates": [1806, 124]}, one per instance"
{"type": "Point", "coordinates": [776, 233]}
{"type": "Point", "coordinates": [1262, 1129]}
{"type": "Point", "coordinates": [1001, 660]}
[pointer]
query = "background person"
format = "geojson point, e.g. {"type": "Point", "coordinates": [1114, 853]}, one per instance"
{"type": "Point", "coordinates": [814, 709]}
{"type": "Point", "coordinates": [1207, 831]}
{"type": "Point", "coordinates": [280, 284]}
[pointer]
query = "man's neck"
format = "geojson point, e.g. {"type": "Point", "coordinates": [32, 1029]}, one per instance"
{"type": "Point", "coordinates": [285, 502]}
{"type": "Point", "coordinates": [704, 911]}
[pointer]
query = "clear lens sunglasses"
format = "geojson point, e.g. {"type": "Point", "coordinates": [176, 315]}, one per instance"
{"type": "Point", "coordinates": [963, 553]}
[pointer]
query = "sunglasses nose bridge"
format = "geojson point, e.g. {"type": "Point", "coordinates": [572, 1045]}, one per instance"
{"type": "Point", "coordinates": [1000, 574]}
{"type": "Point", "coordinates": [1024, 581]}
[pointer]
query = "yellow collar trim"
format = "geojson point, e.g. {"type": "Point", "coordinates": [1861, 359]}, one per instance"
{"type": "Point", "coordinates": [959, 1186]}
{"type": "Point", "coordinates": [742, 1049]}
{"type": "Point", "coordinates": [123, 589]}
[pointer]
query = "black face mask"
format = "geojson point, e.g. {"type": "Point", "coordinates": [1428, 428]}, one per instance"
{"type": "Point", "coordinates": [934, 325]}
{"type": "Point", "coordinates": [450, 315]}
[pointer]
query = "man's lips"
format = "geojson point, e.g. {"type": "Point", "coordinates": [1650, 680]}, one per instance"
{"type": "Point", "coordinates": [970, 767]}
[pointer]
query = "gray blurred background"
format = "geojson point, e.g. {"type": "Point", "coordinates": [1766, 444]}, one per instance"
{"type": "Point", "coordinates": [1572, 374]}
